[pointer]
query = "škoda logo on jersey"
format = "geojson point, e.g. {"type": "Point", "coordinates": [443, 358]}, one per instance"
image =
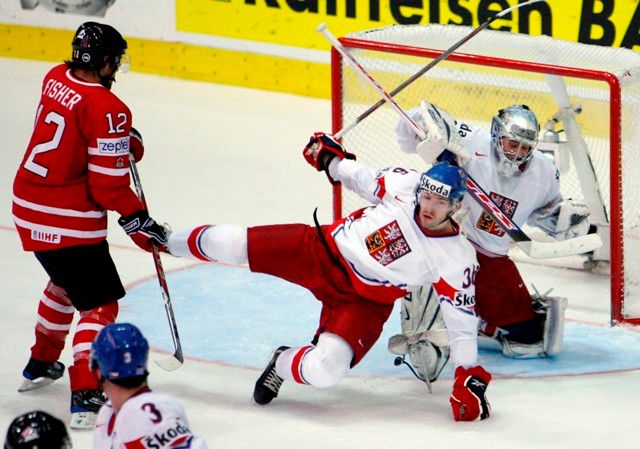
{"type": "Point", "coordinates": [460, 300]}
{"type": "Point", "coordinates": [177, 436]}
{"type": "Point", "coordinates": [433, 186]}
{"type": "Point", "coordinates": [464, 300]}
{"type": "Point", "coordinates": [117, 146]}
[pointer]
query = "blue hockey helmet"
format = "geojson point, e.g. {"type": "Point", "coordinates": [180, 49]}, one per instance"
{"type": "Point", "coordinates": [120, 351]}
{"type": "Point", "coordinates": [445, 180]}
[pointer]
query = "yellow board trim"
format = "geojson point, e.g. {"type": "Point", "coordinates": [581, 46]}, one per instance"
{"type": "Point", "coordinates": [181, 60]}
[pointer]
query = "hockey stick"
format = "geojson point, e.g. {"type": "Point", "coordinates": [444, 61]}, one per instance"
{"type": "Point", "coordinates": [536, 249]}
{"type": "Point", "coordinates": [175, 362]}
{"type": "Point", "coordinates": [429, 66]}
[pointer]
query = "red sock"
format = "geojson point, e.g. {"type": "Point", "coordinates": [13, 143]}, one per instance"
{"type": "Point", "coordinates": [55, 314]}
{"type": "Point", "coordinates": [90, 323]}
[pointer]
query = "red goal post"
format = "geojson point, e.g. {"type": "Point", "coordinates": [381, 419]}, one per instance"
{"type": "Point", "coordinates": [599, 150]}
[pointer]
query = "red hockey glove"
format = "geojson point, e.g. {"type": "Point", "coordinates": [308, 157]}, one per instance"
{"type": "Point", "coordinates": [468, 399]}
{"type": "Point", "coordinates": [135, 145]}
{"type": "Point", "coordinates": [144, 231]}
{"type": "Point", "coordinates": [321, 150]}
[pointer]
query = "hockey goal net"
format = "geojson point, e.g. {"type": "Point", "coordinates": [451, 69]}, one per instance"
{"type": "Point", "coordinates": [586, 97]}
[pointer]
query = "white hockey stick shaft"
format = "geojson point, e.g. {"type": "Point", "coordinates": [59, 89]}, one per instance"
{"type": "Point", "coordinates": [322, 28]}
{"type": "Point", "coordinates": [532, 248]}
{"type": "Point", "coordinates": [431, 64]}
{"type": "Point", "coordinates": [177, 359]}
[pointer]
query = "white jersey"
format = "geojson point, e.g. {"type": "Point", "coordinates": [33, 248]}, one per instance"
{"type": "Point", "coordinates": [147, 420]}
{"type": "Point", "coordinates": [389, 253]}
{"type": "Point", "coordinates": [518, 196]}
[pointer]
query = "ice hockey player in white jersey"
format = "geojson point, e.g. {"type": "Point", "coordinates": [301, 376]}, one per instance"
{"type": "Point", "coordinates": [525, 185]}
{"type": "Point", "coordinates": [358, 266]}
{"type": "Point", "coordinates": [134, 416]}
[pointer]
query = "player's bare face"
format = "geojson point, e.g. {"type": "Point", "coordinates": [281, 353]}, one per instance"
{"type": "Point", "coordinates": [108, 73]}
{"type": "Point", "coordinates": [514, 150]}
{"type": "Point", "coordinates": [434, 212]}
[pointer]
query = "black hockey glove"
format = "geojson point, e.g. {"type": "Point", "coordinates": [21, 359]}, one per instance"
{"type": "Point", "coordinates": [144, 231]}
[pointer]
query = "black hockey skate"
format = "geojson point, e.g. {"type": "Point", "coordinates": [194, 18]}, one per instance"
{"type": "Point", "coordinates": [269, 383]}
{"type": "Point", "coordinates": [85, 405]}
{"type": "Point", "coordinates": [38, 374]}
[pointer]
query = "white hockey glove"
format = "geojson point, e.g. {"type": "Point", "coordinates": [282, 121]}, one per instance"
{"type": "Point", "coordinates": [442, 134]}
{"type": "Point", "coordinates": [405, 135]}
{"type": "Point", "coordinates": [564, 220]}
{"type": "Point", "coordinates": [572, 220]}
{"type": "Point", "coordinates": [441, 130]}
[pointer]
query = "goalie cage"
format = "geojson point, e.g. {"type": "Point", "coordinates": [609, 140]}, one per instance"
{"type": "Point", "coordinates": [585, 96]}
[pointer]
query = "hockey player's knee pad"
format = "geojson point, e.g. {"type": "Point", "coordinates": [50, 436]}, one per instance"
{"type": "Point", "coordinates": [105, 314]}
{"type": "Point", "coordinates": [227, 243]}
{"type": "Point", "coordinates": [59, 292]}
{"type": "Point", "coordinates": [328, 362]}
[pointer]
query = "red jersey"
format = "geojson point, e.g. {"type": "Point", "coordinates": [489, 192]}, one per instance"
{"type": "Point", "coordinates": [76, 166]}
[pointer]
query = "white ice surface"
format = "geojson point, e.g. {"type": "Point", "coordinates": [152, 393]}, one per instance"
{"type": "Point", "coordinates": [223, 154]}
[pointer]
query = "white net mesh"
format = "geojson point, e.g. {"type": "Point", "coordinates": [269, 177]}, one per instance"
{"type": "Point", "coordinates": [474, 92]}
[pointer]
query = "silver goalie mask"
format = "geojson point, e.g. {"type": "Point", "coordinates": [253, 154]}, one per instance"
{"type": "Point", "coordinates": [514, 135]}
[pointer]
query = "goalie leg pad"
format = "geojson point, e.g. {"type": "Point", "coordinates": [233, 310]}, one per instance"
{"type": "Point", "coordinates": [424, 335]}
{"type": "Point", "coordinates": [428, 359]}
{"type": "Point", "coordinates": [398, 344]}
{"type": "Point", "coordinates": [516, 350]}
{"type": "Point", "coordinates": [552, 336]}
{"type": "Point", "coordinates": [554, 325]}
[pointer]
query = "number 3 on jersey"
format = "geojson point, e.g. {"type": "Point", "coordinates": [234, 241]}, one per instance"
{"type": "Point", "coordinates": [470, 276]}
{"type": "Point", "coordinates": [150, 408]}
{"type": "Point", "coordinates": [29, 164]}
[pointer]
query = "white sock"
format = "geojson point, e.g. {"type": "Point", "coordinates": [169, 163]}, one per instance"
{"type": "Point", "coordinates": [322, 365]}
{"type": "Point", "coordinates": [222, 243]}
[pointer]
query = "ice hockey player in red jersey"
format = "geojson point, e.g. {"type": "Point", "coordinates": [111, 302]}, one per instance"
{"type": "Point", "coordinates": [358, 266]}
{"type": "Point", "coordinates": [75, 168]}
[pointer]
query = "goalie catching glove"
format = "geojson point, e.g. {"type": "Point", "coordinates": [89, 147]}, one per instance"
{"type": "Point", "coordinates": [441, 134]}
{"type": "Point", "coordinates": [563, 220]}
{"type": "Point", "coordinates": [321, 150]}
{"type": "Point", "coordinates": [144, 231]}
{"type": "Point", "coordinates": [468, 400]}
